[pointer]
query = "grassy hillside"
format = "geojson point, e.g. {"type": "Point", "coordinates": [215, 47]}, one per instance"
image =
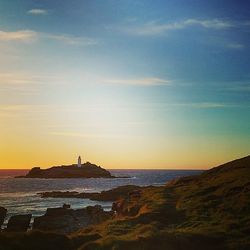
{"type": "Point", "coordinates": [209, 211]}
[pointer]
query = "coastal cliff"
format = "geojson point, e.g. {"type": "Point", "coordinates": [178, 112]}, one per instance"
{"type": "Point", "coordinates": [87, 170]}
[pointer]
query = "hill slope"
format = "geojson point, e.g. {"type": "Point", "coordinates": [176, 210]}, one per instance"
{"type": "Point", "coordinates": [209, 211]}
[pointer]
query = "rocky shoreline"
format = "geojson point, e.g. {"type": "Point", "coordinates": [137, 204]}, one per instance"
{"type": "Point", "coordinates": [61, 219]}
{"type": "Point", "coordinates": [65, 219]}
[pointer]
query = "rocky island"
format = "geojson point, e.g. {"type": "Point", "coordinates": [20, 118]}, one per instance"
{"type": "Point", "coordinates": [85, 170]}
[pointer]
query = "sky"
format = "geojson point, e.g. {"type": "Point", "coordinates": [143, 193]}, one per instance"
{"type": "Point", "coordinates": [125, 84]}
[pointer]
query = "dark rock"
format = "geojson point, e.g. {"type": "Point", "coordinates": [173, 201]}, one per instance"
{"type": "Point", "coordinates": [3, 212]}
{"type": "Point", "coordinates": [124, 207]}
{"type": "Point", "coordinates": [66, 205]}
{"type": "Point", "coordinates": [35, 240]}
{"type": "Point", "coordinates": [117, 206]}
{"type": "Point", "coordinates": [66, 220]}
{"type": "Point", "coordinates": [87, 170]}
{"type": "Point", "coordinates": [59, 194]}
{"type": "Point", "coordinates": [128, 204]}
{"type": "Point", "coordinates": [109, 195]}
{"type": "Point", "coordinates": [19, 223]}
{"type": "Point", "coordinates": [134, 194]}
{"type": "Point", "coordinates": [58, 211]}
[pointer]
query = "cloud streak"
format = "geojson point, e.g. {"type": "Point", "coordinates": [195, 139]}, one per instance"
{"type": "Point", "coordinates": [235, 46]}
{"type": "Point", "coordinates": [14, 107]}
{"type": "Point", "coordinates": [151, 81]}
{"type": "Point", "coordinates": [241, 88]}
{"type": "Point", "coordinates": [206, 105]}
{"type": "Point", "coordinates": [31, 36]}
{"type": "Point", "coordinates": [21, 78]}
{"type": "Point", "coordinates": [37, 12]}
{"type": "Point", "coordinates": [16, 78]}
{"type": "Point", "coordinates": [156, 28]}
{"type": "Point", "coordinates": [72, 40]}
{"type": "Point", "coordinates": [20, 35]}
{"type": "Point", "coordinates": [201, 105]}
{"type": "Point", "coordinates": [80, 135]}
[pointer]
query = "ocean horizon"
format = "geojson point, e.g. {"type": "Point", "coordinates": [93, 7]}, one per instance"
{"type": "Point", "coordinates": [10, 173]}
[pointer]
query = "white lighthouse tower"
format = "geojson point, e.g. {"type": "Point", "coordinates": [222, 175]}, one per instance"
{"type": "Point", "coordinates": [79, 164]}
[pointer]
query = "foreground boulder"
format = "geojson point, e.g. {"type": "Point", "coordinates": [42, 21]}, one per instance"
{"type": "Point", "coordinates": [3, 212]}
{"type": "Point", "coordinates": [19, 223]}
{"type": "Point", "coordinates": [67, 220]}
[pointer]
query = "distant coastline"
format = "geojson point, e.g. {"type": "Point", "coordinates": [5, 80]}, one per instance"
{"type": "Point", "coordinates": [11, 173]}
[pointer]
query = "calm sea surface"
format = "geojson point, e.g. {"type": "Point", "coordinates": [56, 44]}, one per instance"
{"type": "Point", "coordinates": [20, 196]}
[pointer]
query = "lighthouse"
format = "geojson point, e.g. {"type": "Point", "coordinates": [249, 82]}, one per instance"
{"type": "Point", "coordinates": [79, 164]}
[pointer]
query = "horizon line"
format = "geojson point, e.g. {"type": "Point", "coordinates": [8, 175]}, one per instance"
{"type": "Point", "coordinates": [122, 168]}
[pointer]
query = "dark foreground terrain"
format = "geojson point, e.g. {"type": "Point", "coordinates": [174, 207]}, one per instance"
{"type": "Point", "coordinates": [209, 211]}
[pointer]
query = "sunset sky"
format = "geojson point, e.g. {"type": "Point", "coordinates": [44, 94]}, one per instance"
{"type": "Point", "coordinates": [124, 84]}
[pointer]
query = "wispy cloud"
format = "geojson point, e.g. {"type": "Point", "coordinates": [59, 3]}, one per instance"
{"type": "Point", "coordinates": [203, 105]}
{"type": "Point", "coordinates": [209, 23]}
{"type": "Point", "coordinates": [29, 112]}
{"type": "Point", "coordinates": [22, 78]}
{"type": "Point", "coordinates": [17, 78]}
{"type": "Point", "coordinates": [241, 88]}
{"type": "Point", "coordinates": [20, 35]}
{"type": "Point", "coordinates": [31, 36]}
{"type": "Point", "coordinates": [236, 46]}
{"type": "Point", "coordinates": [192, 105]}
{"type": "Point", "coordinates": [14, 107]}
{"type": "Point", "coordinates": [25, 83]}
{"type": "Point", "coordinates": [206, 105]}
{"type": "Point", "coordinates": [72, 134]}
{"type": "Point", "coordinates": [156, 28]}
{"type": "Point", "coordinates": [37, 12]}
{"type": "Point", "coordinates": [14, 110]}
{"type": "Point", "coordinates": [72, 40]}
{"type": "Point", "coordinates": [151, 81]}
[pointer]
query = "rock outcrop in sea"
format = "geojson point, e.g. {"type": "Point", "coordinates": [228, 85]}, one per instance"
{"type": "Point", "coordinates": [107, 195]}
{"type": "Point", "coordinates": [87, 170]}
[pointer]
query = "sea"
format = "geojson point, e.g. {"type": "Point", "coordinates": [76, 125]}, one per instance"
{"type": "Point", "coordinates": [21, 195]}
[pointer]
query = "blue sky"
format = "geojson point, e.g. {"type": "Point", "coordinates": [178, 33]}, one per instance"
{"type": "Point", "coordinates": [148, 80]}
